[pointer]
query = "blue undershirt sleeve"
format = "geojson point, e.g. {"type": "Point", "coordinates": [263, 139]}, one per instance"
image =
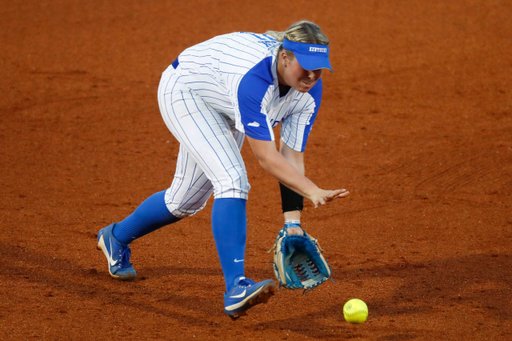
{"type": "Point", "coordinates": [316, 93]}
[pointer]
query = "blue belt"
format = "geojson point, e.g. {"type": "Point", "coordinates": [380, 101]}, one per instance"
{"type": "Point", "coordinates": [175, 63]}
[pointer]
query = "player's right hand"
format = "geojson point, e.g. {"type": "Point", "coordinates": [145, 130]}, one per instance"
{"type": "Point", "coordinates": [322, 196]}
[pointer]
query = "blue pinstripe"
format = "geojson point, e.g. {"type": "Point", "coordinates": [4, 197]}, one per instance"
{"type": "Point", "coordinates": [227, 154]}
{"type": "Point", "coordinates": [206, 82]}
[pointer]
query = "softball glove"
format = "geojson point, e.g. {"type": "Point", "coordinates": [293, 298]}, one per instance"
{"type": "Point", "coordinates": [298, 262]}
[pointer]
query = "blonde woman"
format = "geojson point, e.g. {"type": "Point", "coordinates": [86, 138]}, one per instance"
{"type": "Point", "coordinates": [213, 96]}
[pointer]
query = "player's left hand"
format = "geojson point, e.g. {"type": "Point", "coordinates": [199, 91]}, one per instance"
{"type": "Point", "coordinates": [295, 231]}
{"type": "Point", "coordinates": [298, 261]}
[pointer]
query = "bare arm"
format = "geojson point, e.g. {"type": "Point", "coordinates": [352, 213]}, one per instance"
{"type": "Point", "coordinates": [278, 166]}
{"type": "Point", "coordinates": [296, 159]}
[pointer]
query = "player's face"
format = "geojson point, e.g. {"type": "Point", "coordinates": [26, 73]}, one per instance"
{"type": "Point", "coordinates": [300, 79]}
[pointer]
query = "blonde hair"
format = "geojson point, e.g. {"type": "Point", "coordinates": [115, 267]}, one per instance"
{"type": "Point", "coordinates": [301, 32]}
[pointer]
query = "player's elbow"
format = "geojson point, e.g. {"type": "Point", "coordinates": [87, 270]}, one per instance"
{"type": "Point", "coordinates": [264, 161]}
{"type": "Point", "coordinates": [264, 151]}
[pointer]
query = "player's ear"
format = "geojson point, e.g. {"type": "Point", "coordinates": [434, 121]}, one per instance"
{"type": "Point", "coordinates": [284, 57]}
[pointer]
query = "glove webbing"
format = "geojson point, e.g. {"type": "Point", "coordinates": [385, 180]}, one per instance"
{"type": "Point", "coordinates": [301, 272]}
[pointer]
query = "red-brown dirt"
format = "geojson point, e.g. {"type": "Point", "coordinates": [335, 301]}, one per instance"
{"type": "Point", "coordinates": [416, 122]}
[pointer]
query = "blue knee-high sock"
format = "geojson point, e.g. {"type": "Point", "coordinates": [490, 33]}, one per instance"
{"type": "Point", "coordinates": [151, 215]}
{"type": "Point", "coordinates": [229, 226]}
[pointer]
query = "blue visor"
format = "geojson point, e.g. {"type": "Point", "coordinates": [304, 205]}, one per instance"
{"type": "Point", "coordinates": [309, 56]}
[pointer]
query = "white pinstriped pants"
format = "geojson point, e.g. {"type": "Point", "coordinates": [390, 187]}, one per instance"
{"type": "Point", "coordinates": [209, 159]}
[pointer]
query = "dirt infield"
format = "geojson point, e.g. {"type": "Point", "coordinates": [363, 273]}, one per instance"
{"type": "Point", "coordinates": [416, 121]}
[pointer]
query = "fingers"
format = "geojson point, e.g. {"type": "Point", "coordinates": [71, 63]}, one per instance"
{"type": "Point", "coordinates": [295, 230]}
{"type": "Point", "coordinates": [341, 193]}
{"type": "Point", "coordinates": [321, 201]}
{"type": "Point", "coordinates": [330, 195]}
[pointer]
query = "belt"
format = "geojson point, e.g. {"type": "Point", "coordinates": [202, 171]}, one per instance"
{"type": "Point", "coordinates": [175, 63]}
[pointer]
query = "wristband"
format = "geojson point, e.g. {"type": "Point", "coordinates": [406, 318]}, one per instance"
{"type": "Point", "coordinates": [290, 200]}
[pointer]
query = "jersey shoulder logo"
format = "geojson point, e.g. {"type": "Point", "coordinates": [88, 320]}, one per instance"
{"type": "Point", "coordinates": [267, 42]}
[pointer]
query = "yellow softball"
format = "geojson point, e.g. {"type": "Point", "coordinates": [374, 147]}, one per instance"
{"type": "Point", "coordinates": [355, 311]}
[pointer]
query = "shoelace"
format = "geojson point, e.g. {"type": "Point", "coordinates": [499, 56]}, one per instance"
{"type": "Point", "coordinates": [124, 260]}
{"type": "Point", "coordinates": [246, 282]}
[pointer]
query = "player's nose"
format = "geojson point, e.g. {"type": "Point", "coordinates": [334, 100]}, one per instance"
{"type": "Point", "coordinates": [314, 74]}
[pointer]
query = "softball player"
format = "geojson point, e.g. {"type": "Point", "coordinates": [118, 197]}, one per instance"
{"type": "Point", "coordinates": [211, 97]}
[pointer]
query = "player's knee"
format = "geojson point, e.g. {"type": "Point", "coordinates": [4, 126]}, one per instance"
{"type": "Point", "coordinates": [233, 186]}
{"type": "Point", "coordinates": [233, 192]}
{"type": "Point", "coordinates": [182, 210]}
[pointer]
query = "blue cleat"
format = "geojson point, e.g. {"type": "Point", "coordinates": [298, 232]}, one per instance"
{"type": "Point", "coordinates": [246, 294]}
{"type": "Point", "coordinates": [118, 255]}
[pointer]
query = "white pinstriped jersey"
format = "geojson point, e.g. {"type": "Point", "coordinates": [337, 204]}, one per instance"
{"type": "Point", "coordinates": [236, 75]}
